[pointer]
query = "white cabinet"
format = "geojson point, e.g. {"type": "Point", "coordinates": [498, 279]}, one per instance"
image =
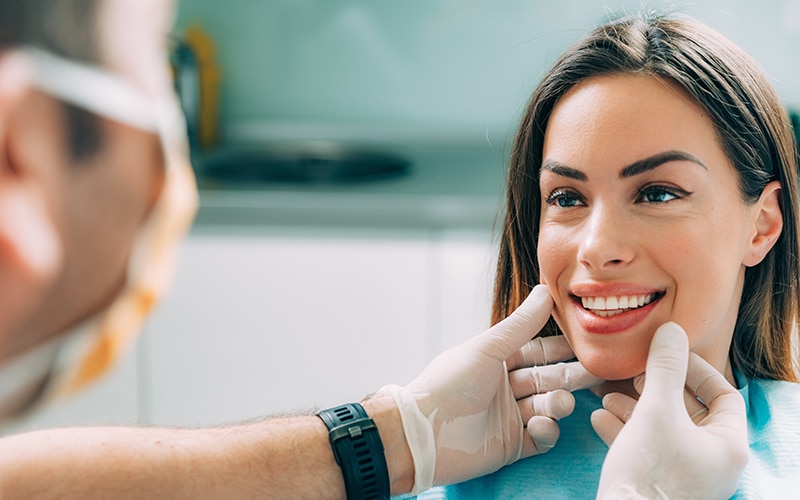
{"type": "Point", "coordinates": [465, 267]}
{"type": "Point", "coordinates": [278, 320]}
{"type": "Point", "coordinates": [265, 320]}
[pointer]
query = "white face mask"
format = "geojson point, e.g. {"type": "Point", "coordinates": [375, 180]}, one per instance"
{"type": "Point", "coordinates": [66, 364]}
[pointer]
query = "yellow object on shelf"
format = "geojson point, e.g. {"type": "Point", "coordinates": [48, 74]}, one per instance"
{"type": "Point", "coordinates": [209, 77]}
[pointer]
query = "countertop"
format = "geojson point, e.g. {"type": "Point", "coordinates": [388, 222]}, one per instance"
{"type": "Point", "coordinates": [449, 185]}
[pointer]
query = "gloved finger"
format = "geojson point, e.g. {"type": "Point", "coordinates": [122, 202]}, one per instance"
{"type": "Point", "coordinates": [620, 405]}
{"type": "Point", "coordinates": [556, 405]}
{"type": "Point", "coordinates": [606, 425]}
{"type": "Point", "coordinates": [727, 415]}
{"type": "Point", "coordinates": [696, 409]}
{"type": "Point", "coordinates": [508, 336]}
{"type": "Point", "coordinates": [638, 382]}
{"type": "Point", "coordinates": [541, 351]}
{"type": "Point", "coordinates": [667, 363]}
{"type": "Point", "coordinates": [540, 379]}
{"type": "Point", "coordinates": [725, 404]}
{"type": "Point", "coordinates": [663, 388]}
{"type": "Point", "coordinates": [541, 436]}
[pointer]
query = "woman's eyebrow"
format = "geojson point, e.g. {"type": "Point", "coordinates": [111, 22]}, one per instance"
{"type": "Point", "coordinates": [635, 168]}
{"type": "Point", "coordinates": [656, 161]}
{"type": "Point", "coordinates": [563, 170]}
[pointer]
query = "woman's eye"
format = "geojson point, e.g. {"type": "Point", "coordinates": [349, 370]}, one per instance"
{"type": "Point", "coordinates": [658, 194]}
{"type": "Point", "coordinates": [564, 199]}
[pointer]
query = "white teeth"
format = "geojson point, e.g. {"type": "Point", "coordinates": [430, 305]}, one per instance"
{"type": "Point", "coordinates": [606, 314]}
{"type": "Point", "coordinates": [610, 306]}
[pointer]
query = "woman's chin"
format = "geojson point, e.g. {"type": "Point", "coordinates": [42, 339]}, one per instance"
{"type": "Point", "coordinates": [609, 368]}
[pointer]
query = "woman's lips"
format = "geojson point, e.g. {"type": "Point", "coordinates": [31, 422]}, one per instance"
{"type": "Point", "coordinates": [613, 314]}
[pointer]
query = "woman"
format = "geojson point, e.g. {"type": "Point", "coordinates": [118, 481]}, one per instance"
{"type": "Point", "coordinates": [654, 179]}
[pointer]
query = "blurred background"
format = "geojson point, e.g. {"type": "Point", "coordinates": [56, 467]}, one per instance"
{"type": "Point", "coordinates": [350, 156]}
{"type": "Point", "coordinates": [452, 68]}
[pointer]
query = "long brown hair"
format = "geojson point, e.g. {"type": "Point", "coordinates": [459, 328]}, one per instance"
{"type": "Point", "coordinates": [754, 132]}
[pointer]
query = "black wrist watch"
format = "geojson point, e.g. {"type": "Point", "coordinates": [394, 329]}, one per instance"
{"type": "Point", "coordinates": [358, 450]}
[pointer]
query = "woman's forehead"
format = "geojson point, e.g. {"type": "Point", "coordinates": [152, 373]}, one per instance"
{"type": "Point", "coordinates": [626, 113]}
{"type": "Point", "coordinates": [609, 126]}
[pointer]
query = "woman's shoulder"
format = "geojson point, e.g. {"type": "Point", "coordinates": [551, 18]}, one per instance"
{"type": "Point", "coordinates": [772, 389]}
{"type": "Point", "coordinates": [772, 409]}
{"type": "Point", "coordinates": [774, 434]}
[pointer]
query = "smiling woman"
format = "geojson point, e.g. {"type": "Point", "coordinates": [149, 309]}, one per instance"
{"type": "Point", "coordinates": [654, 180]}
{"type": "Point", "coordinates": [637, 88]}
{"type": "Point", "coordinates": [651, 208]}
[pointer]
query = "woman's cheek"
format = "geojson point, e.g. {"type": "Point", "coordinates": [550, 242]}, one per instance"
{"type": "Point", "coordinates": [553, 260]}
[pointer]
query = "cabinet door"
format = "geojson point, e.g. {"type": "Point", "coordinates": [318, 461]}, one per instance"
{"type": "Point", "coordinates": [285, 320]}
{"type": "Point", "coordinates": [466, 261]}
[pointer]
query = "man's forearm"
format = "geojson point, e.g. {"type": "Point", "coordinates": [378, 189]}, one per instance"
{"type": "Point", "coordinates": [287, 456]}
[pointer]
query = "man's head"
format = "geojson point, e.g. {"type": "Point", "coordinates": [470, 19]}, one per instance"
{"type": "Point", "coordinates": [75, 187]}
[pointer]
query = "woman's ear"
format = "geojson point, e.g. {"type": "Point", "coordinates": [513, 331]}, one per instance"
{"type": "Point", "coordinates": [30, 249]}
{"type": "Point", "coordinates": [767, 225]}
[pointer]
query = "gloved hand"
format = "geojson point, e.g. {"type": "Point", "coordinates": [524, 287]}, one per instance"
{"type": "Point", "coordinates": [669, 446]}
{"type": "Point", "coordinates": [460, 416]}
{"type": "Point", "coordinates": [542, 385]}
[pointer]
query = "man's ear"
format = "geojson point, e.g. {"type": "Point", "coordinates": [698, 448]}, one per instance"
{"type": "Point", "coordinates": [767, 226]}
{"type": "Point", "coordinates": [30, 249]}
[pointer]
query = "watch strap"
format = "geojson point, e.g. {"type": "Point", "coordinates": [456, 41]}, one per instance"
{"type": "Point", "coordinates": [358, 449]}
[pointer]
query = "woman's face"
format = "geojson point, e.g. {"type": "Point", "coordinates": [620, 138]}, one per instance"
{"type": "Point", "coordinates": [642, 222]}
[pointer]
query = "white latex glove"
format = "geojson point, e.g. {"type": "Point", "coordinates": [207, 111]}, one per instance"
{"type": "Point", "coordinates": [542, 385]}
{"type": "Point", "coordinates": [460, 416]}
{"type": "Point", "coordinates": [657, 450]}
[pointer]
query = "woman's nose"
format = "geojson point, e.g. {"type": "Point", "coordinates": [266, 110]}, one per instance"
{"type": "Point", "coordinates": [607, 240]}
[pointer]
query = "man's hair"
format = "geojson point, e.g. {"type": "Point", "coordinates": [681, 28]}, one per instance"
{"type": "Point", "coordinates": [67, 28]}
{"type": "Point", "coordinates": [753, 129]}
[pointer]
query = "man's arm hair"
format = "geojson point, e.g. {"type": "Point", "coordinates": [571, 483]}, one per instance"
{"type": "Point", "coordinates": [279, 457]}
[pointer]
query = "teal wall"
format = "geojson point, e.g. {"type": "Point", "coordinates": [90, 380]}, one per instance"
{"type": "Point", "coordinates": [459, 67]}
